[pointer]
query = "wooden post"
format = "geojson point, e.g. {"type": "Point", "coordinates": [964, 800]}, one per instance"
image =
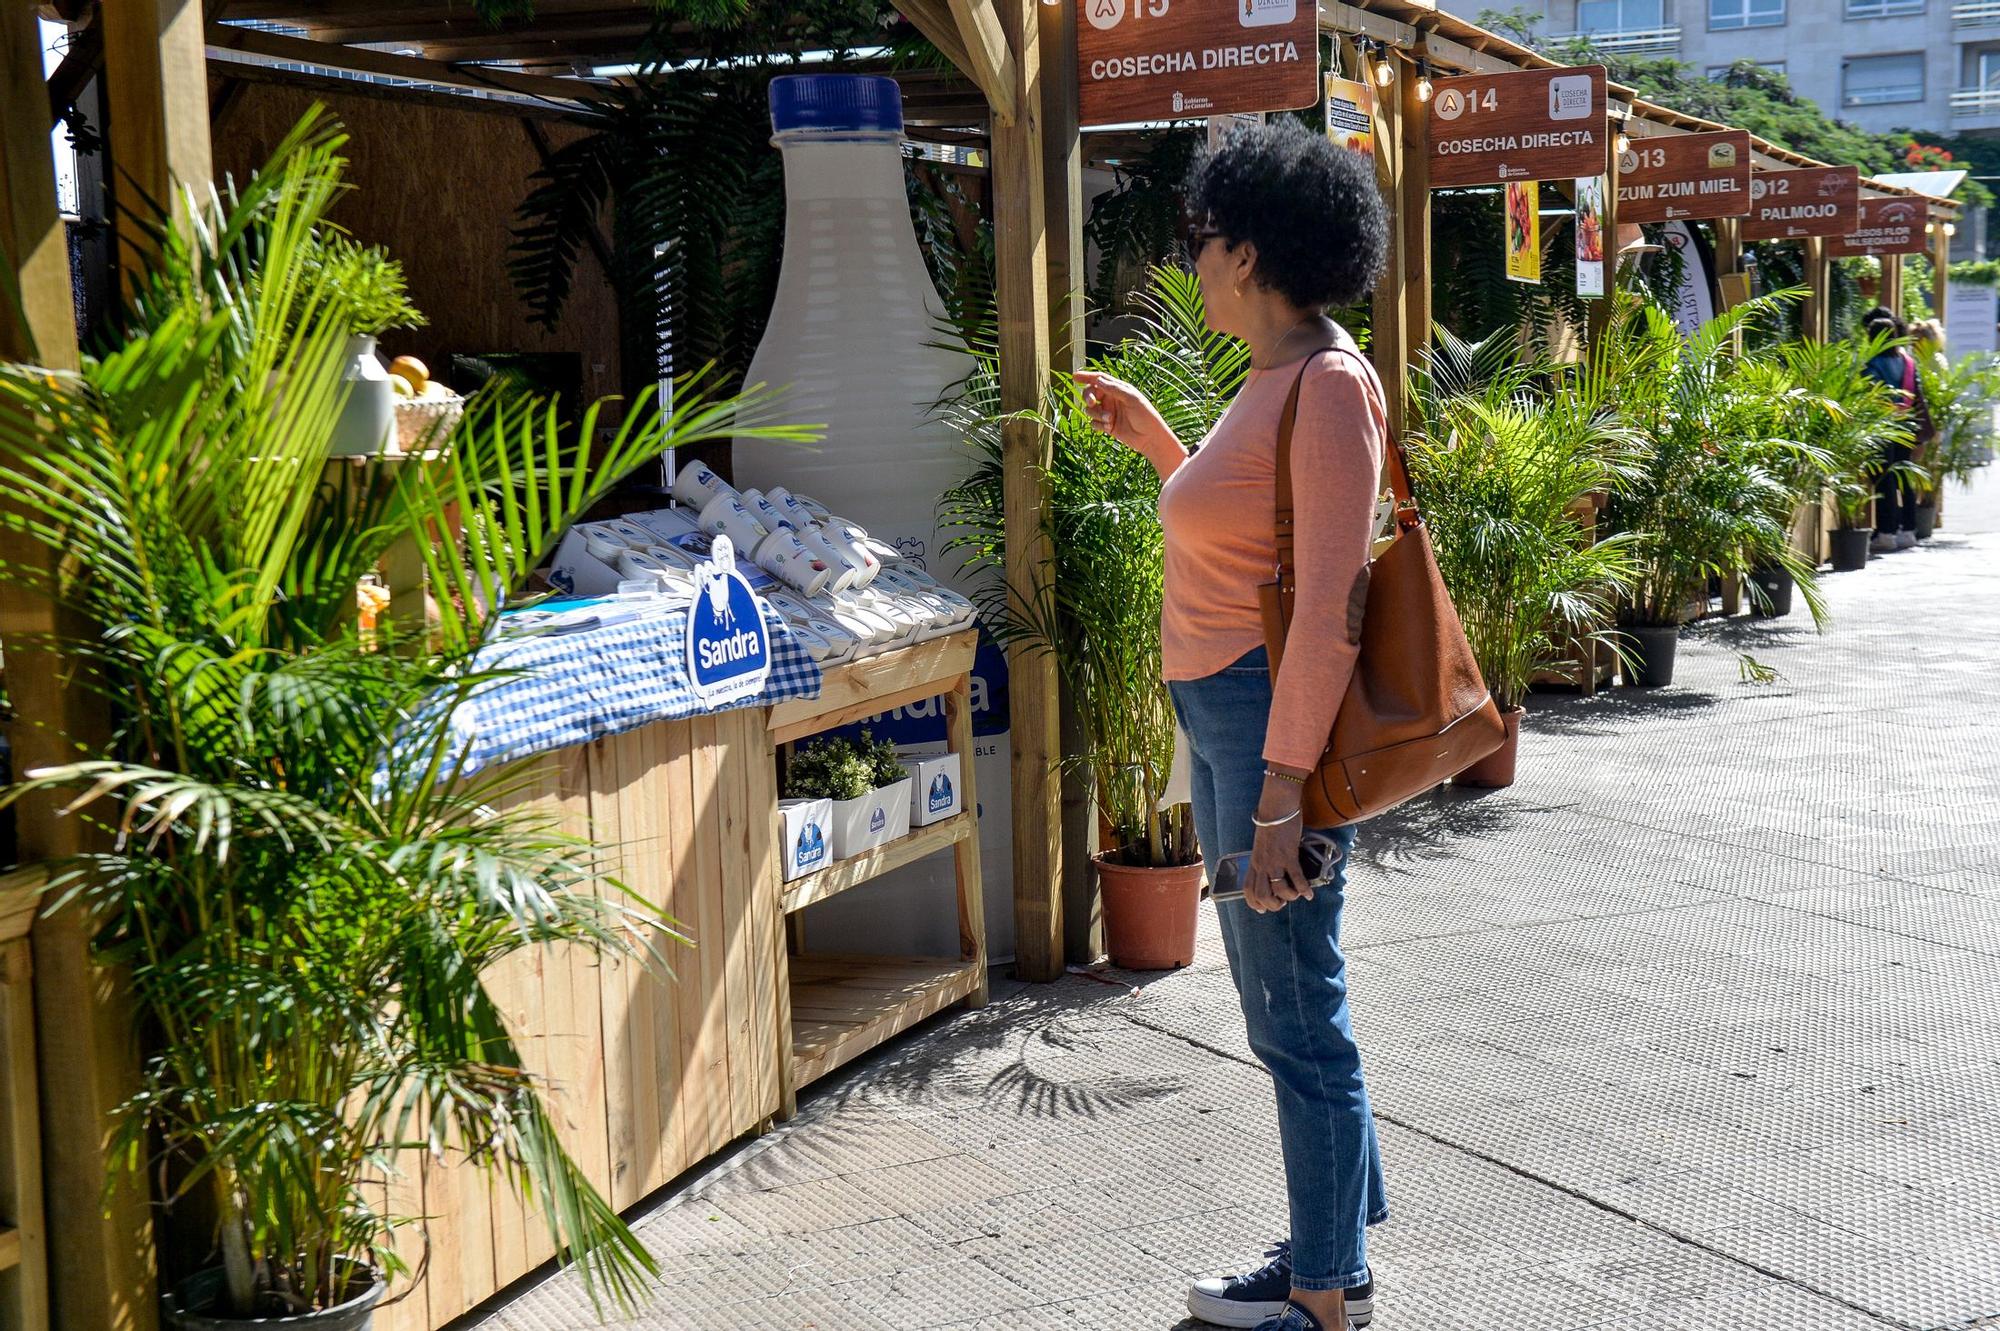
{"type": "Point", "coordinates": [1021, 278]}
{"type": "Point", "coordinates": [156, 113]}
{"type": "Point", "coordinates": [1392, 342]}
{"type": "Point", "coordinates": [1940, 263]}
{"type": "Point", "coordinates": [1892, 283]}
{"type": "Point", "coordinates": [1818, 281]}
{"type": "Point", "coordinates": [1062, 203]}
{"type": "Point", "coordinates": [1600, 311]}
{"type": "Point", "coordinates": [100, 1267]}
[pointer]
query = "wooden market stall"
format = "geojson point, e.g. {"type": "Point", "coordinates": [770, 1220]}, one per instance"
{"type": "Point", "coordinates": [652, 1072]}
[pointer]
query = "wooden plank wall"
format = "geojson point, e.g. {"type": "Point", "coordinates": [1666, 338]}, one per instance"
{"type": "Point", "coordinates": [650, 1070]}
{"type": "Point", "coordinates": [438, 187]}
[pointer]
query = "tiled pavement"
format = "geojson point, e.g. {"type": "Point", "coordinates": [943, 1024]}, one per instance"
{"type": "Point", "coordinates": [1696, 1027]}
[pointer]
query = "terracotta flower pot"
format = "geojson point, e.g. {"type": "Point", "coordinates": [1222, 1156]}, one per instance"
{"type": "Point", "coordinates": [1496, 770]}
{"type": "Point", "coordinates": [1149, 914]}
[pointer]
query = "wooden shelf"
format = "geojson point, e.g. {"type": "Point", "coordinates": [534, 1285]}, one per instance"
{"type": "Point", "coordinates": [877, 684]}
{"type": "Point", "coordinates": [838, 877]}
{"type": "Point", "coordinates": [843, 1006]}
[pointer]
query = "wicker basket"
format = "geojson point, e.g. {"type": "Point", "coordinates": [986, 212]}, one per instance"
{"type": "Point", "coordinates": [423, 423]}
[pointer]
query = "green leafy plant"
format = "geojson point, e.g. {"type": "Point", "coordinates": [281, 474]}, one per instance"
{"type": "Point", "coordinates": [298, 868]}
{"type": "Point", "coordinates": [1841, 418]}
{"type": "Point", "coordinates": [1505, 461]}
{"type": "Point", "coordinates": [1709, 497]}
{"type": "Point", "coordinates": [367, 284]}
{"type": "Point", "coordinates": [832, 767]}
{"type": "Point", "coordinates": [1098, 613]}
{"type": "Point", "coordinates": [885, 765]}
{"type": "Point", "coordinates": [1960, 397]}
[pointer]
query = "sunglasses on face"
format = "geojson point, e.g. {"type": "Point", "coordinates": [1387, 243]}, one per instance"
{"type": "Point", "coordinates": [1196, 240]}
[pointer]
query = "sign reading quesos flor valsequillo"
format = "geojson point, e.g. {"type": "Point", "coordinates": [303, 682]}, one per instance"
{"type": "Point", "coordinates": [1815, 201]}
{"type": "Point", "coordinates": [1536, 124]}
{"type": "Point", "coordinates": [728, 648]}
{"type": "Point", "coordinates": [1888, 226]}
{"type": "Point", "coordinates": [1160, 59]}
{"type": "Point", "coordinates": [1675, 177]}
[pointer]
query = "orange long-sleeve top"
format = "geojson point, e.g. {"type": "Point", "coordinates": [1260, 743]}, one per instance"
{"type": "Point", "coordinates": [1217, 507]}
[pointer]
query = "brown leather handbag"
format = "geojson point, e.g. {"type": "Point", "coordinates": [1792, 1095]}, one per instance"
{"type": "Point", "coordinates": [1416, 712]}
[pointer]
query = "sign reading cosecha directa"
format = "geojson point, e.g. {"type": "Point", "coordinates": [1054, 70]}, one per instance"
{"type": "Point", "coordinates": [728, 648]}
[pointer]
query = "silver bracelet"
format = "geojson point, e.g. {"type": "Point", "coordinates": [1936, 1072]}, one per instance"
{"type": "Point", "coordinates": [1276, 822]}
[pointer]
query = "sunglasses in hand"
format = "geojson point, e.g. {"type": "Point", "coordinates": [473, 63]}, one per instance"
{"type": "Point", "coordinates": [1319, 859]}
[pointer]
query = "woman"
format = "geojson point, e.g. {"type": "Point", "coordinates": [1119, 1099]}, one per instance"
{"type": "Point", "coordinates": [1290, 225]}
{"type": "Point", "coordinates": [1895, 498]}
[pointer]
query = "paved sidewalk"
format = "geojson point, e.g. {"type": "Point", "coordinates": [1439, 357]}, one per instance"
{"type": "Point", "coordinates": [1698, 1026]}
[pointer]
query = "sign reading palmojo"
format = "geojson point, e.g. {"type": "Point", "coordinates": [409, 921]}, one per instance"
{"type": "Point", "coordinates": [1162, 59]}
{"type": "Point", "coordinates": [1536, 124]}
{"type": "Point", "coordinates": [1815, 201]}
{"type": "Point", "coordinates": [1675, 177]}
{"type": "Point", "coordinates": [1888, 226]}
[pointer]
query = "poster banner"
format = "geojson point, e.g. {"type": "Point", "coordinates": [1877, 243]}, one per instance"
{"type": "Point", "coordinates": [1350, 114]}
{"type": "Point", "coordinates": [1672, 177]}
{"type": "Point", "coordinates": [1970, 313]}
{"type": "Point", "coordinates": [1815, 201]}
{"type": "Point", "coordinates": [1524, 231]}
{"type": "Point", "coordinates": [1535, 124]}
{"type": "Point", "coordinates": [1171, 59]}
{"type": "Point", "coordinates": [1590, 235]}
{"type": "Point", "coordinates": [1219, 127]}
{"type": "Point", "coordinates": [1693, 300]}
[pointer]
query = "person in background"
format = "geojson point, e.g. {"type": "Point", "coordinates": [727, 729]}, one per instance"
{"type": "Point", "coordinates": [1927, 341]}
{"type": "Point", "coordinates": [1895, 499]}
{"type": "Point", "coordinates": [1286, 226]}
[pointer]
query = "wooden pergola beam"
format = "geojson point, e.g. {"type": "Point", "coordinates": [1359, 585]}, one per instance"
{"type": "Point", "coordinates": [299, 50]}
{"type": "Point", "coordinates": [994, 63]}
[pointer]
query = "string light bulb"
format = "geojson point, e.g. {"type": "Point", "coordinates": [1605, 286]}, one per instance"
{"type": "Point", "coordinates": [1951, 228]}
{"type": "Point", "coordinates": [1930, 228]}
{"type": "Point", "coordinates": [1624, 144]}
{"type": "Point", "coordinates": [1385, 73]}
{"type": "Point", "coordinates": [1423, 81]}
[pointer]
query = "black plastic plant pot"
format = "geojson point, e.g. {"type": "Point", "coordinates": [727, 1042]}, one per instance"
{"type": "Point", "coordinates": [191, 1307]}
{"type": "Point", "coordinates": [1850, 549]}
{"type": "Point", "coordinates": [1652, 648]}
{"type": "Point", "coordinates": [1775, 585]}
{"type": "Point", "coordinates": [1926, 519]}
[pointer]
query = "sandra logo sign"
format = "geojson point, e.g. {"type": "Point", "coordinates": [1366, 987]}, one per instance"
{"type": "Point", "coordinates": [728, 650]}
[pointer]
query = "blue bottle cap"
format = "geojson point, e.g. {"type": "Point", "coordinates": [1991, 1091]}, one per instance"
{"type": "Point", "coordinates": [837, 102]}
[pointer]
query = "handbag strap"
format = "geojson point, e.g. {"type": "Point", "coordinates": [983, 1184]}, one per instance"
{"type": "Point", "coordinates": [1394, 464]}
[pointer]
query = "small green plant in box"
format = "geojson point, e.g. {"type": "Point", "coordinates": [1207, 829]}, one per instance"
{"type": "Point", "coordinates": [829, 768]}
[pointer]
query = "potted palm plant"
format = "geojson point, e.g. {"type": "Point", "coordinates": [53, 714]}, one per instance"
{"type": "Point", "coordinates": [300, 876]}
{"type": "Point", "coordinates": [1960, 397]}
{"type": "Point", "coordinates": [1505, 460]}
{"type": "Point", "coordinates": [1703, 501]}
{"type": "Point", "coordinates": [1842, 419]}
{"type": "Point", "coordinates": [1098, 615]}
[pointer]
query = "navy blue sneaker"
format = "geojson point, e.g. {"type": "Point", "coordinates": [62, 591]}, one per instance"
{"type": "Point", "coordinates": [1256, 1297]}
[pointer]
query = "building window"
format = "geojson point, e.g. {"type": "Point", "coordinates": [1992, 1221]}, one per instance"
{"type": "Point", "coordinates": [1718, 73]}
{"type": "Point", "coordinates": [1873, 80]}
{"type": "Point", "coordinates": [1883, 8]}
{"type": "Point", "coordinates": [1619, 15]}
{"type": "Point", "coordinates": [1724, 14]}
{"type": "Point", "coordinates": [1989, 71]}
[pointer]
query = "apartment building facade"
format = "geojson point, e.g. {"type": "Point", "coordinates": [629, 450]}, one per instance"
{"type": "Point", "coordinates": [1880, 64]}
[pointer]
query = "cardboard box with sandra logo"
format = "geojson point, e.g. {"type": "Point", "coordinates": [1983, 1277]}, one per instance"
{"type": "Point", "coordinates": [807, 836]}
{"type": "Point", "coordinates": [934, 788]}
{"type": "Point", "coordinates": [879, 817]}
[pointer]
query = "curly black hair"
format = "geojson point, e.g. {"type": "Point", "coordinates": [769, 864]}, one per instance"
{"type": "Point", "coordinates": [1311, 209]}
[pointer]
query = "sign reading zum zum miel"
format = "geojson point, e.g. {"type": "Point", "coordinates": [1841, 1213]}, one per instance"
{"type": "Point", "coordinates": [1534, 124]}
{"type": "Point", "coordinates": [1675, 177]}
{"type": "Point", "coordinates": [1167, 59]}
{"type": "Point", "coordinates": [1816, 201]}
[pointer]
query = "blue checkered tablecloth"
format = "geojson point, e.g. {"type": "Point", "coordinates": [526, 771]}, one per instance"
{"type": "Point", "coordinates": [570, 688]}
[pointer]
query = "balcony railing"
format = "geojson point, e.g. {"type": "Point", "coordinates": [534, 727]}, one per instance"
{"type": "Point", "coordinates": [1630, 41]}
{"type": "Point", "coordinates": [1976, 14]}
{"type": "Point", "coordinates": [1969, 102]}
{"type": "Point", "coordinates": [1886, 94]}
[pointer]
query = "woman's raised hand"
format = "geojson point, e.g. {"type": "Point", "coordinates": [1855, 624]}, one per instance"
{"type": "Point", "coordinates": [1122, 411]}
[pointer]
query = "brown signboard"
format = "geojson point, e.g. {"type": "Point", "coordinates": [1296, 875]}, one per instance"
{"type": "Point", "coordinates": [1888, 226]}
{"type": "Point", "coordinates": [1536, 124]}
{"type": "Point", "coordinates": [1818, 201]}
{"type": "Point", "coordinates": [1165, 59]}
{"type": "Point", "coordinates": [1678, 176]}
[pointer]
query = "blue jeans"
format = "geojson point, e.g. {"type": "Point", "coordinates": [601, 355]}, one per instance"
{"type": "Point", "coordinates": [1292, 981]}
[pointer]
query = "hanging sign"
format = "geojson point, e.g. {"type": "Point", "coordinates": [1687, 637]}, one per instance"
{"type": "Point", "coordinates": [1590, 235]}
{"type": "Point", "coordinates": [1817, 201]}
{"type": "Point", "coordinates": [1888, 226]}
{"type": "Point", "coordinates": [1165, 59]}
{"type": "Point", "coordinates": [1536, 124]}
{"type": "Point", "coordinates": [1350, 114]}
{"type": "Point", "coordinates": [1524, 231]}
{"type": "Point", "coordinates": [728, 648]}
{"type": "Point", "coordinates": [1677, 176]}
